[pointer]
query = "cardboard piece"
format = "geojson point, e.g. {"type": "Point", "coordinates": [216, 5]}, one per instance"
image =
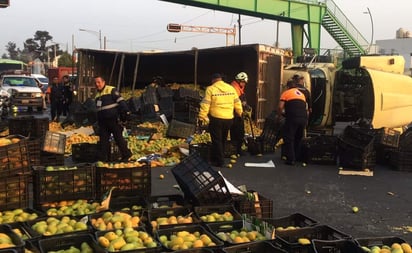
{"type": "Point", "coordinates": [368, 173]}
{"type": "Point", "coordinates": [268, 164]}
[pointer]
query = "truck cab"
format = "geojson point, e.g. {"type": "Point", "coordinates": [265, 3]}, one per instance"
{"type": "Point", "coordinates": [369, 90]}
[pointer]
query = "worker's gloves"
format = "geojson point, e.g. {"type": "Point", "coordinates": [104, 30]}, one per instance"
{"type": "Point", "coordinates": [203, 122]}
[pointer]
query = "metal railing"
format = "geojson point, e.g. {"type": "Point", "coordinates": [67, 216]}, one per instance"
{"type": "Point", "coordinates": [344, 22]}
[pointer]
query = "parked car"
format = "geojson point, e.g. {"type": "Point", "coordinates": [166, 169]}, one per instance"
{"type": "Point", "coordinates": [23, 90]}
{"type": "Point", "coordinates": [43, 80]}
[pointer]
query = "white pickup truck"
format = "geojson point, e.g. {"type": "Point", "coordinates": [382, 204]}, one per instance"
{"type": "Point", "coordinates": [23, 90]}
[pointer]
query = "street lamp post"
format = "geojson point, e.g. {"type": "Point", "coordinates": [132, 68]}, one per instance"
{"type": "Point", "coordinates": [99, 33]}
{"type": "Point", "coordinates": [371, 18]}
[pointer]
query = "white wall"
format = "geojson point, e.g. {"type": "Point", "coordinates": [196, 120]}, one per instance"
{"type": "Point", "coordinates": [399, 47]}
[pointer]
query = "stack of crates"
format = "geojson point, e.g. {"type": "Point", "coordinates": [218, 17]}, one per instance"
{"type": "Point", "coordinates": [356, 149]}
{"type": "Point", "coordinates": [320, 150]}
{"type": "Point", "coordinates": [400, 158]}
{"type": "Point", "coordinates": [14, 173]}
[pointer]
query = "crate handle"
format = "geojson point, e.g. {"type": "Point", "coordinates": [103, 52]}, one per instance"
{"type": "Point", "coordinates": [257, 205]}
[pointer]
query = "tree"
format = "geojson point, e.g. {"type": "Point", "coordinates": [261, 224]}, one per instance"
{"type": "Point", "coordinates": [13, 50]}
{"type": "Point", "coordinates": [65, 60]}
{"type": "Point", "coordinates": [40, 39]}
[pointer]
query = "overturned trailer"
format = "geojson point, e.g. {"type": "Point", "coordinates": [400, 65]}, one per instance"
{"type": "Point", "coordinates": [135, 70]}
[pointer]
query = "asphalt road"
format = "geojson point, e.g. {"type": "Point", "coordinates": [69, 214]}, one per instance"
{"type": "Point", "coordinates": [319, 192]}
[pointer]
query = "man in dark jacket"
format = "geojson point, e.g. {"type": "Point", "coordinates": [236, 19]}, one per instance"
{"type": "Point", "coordinates": [54, 95]}
{"type": "Point", "coordinates": [111, 111]}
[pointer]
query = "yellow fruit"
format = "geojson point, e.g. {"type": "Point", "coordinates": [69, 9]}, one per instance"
{"type": "Point", "coordinates": [303, 241]}
{"type": "Point", "coordinates": [198, 244]}
{"type": "Point", "coordinates": [161, 176]}
{"type": "Point", "coordinates": [232, 161]}
{"type": "Point", "coordinates": [406, 247]}
{"type": "Point", "coordinates": [355, 209]}
{"type": "Point", "coordinates": [229, 165]}
{"type": "Point", "coordinates": [104, 242]}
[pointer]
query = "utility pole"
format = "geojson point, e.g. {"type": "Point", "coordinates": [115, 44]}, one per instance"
{"type": "Point", "coordinates": [239, 22]}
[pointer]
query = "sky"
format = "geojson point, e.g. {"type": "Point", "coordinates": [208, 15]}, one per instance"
{"type": "Point", "coordinates": [140, 25]}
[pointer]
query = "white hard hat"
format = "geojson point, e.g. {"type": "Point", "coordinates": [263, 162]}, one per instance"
{"type": "Point", "coordinates": [242, 76]}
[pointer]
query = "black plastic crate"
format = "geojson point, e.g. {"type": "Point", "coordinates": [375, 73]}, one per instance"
{"type": "Point", "coordinates": [134, 104]}
{"type": "Point", "coordinates": [65, 242]}
{"type": "Point", "coordinates": [337, 246]}
{"type": "Point", "coordinates": [21, 125]}
{"type": "Point", "coordinates": [166, 106]}
{"type": "Point", "coordinates": [203, 149]}
{"type": "Point", "coordinates": [165, 92]}
{"type": "Point", "coordinates": [15, 216]}
{"type": "Point", "coordinates": [109, 220]}
{"type": "Point", "coordinates": [260, 208]}
{"type": "Point", "coordinates": [320, 150]}
{"type": "Point", "coordinates": [184, 93]}
{"type": "Point", "coordinates": [81, 118]}
{"type": "Point", "coordinates": [6, 250]}
{"type": "Point", "coordinates": [200, 183]}
{"type": "Point", "coordinates": [405, 141]}
{"type": "Point", "coordinates": [178, 129]}
{"type": "Point", "coordinates": [148, 113]}
{"type": "Point", "coordinates": [133, 181]}
{"type": "Point", "coordinates": [41, 227]}
{"type": "Point", "coordinates": [15, 239]}
{"type": "Point", "coordinates": [224, 231]}
{"type": "Point", "coordinates": [358, 138]}
{"type": "Point", "coordinates": [143, 133]}
{"type": "Point", "coordinates": [51, 159]}
{"type": "Point", "coordinates": [15, 156]}
{"type": "Point", "coordinates": [193, 114]}
{"type": "Point", "coordinates": [39, 127]}
{"type": "Point", "coordinates": [167, 201]}
{"type": "Point", "coordinates": [34, 146]}
{"type": "Point", "coordinates": [288, 239]}
{"type": "Point", "coordinates": [150, 97]}
{"type": "Point", "coordinates": [254, 247]}
{"type": "Point", "coordinates": [23, 232]}
{"type": "Point", "coordinates": [388, 137]}
{"type": "Point", "coordinates": [352, 157]}
{"type": "Point", "coordinates": [56, 183]}
{"type": "Point", "coordinates": [379, 241]}
{"type": "Point", "coordinates": [85, 152]}
{"type": "Point", "coordinates": [220, 213]}
{"type": "Point", "coordinates": [162, 218]}
{"type": "Point", "coordinates": [134, 205]}
{"type": "Point", "coordinates": [401, 160]}
{"type": "Point", "coordinates": [14, 192]}
{"type": "Point", "coordinates": [293, 221]}
{"type": "Point", "coordinates": [149, 243]}
{"type": "Point", "coordinates": [168, 232]}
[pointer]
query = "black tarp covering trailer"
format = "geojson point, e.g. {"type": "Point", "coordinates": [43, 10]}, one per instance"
{"type": "Point", "coordinates": [135, 70]}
